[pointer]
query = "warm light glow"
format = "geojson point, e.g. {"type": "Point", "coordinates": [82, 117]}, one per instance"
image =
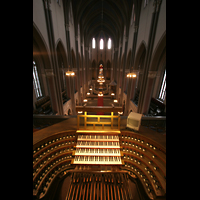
{"type": "Point", "coordinates": [115, 101]}
{"type": "Point", "coordinates": [90, 89]}
{"type": "Point", "coordinates": [88, 93]}
{"type": "Point", "coordinates": [85, 100]}
{"type": "Point", "coordinates": [70, 73]}
{"type": "Point", "coordinates": [80, 112]}
{"type": "Point", "coordinates": [100, 95]}
{"type": "Point", "coordinates": [112, 94]}
{"type": "Point", "coordinates": [100, 80]}
{"type": "Point", "coordinates": [120, 113]}
{"type": "Point", "coordinates": [131, 75]}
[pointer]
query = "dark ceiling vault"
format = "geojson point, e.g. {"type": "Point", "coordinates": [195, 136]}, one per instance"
{"type": "Point", "coordinates": [106, 17]}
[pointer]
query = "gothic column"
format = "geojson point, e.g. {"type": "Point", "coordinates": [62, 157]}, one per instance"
{"type": "Point", "coordinates": [70, 82]}
{"type": "Point", "coordinates": [123, 71]}
{"type": "Point", "coordinates": [133, 87]}
{"type": "Point", "coordinates": [86, 68]}
{"type": "Point", "coordinates": [115, 64]}
{"type": "Point", "coordinates": [53, 57]}
{"type": "Point", "coordinates": [118, 73]}
{"type": "Point", "coordinates": [34, 98]}
{"type": "Point", "coordinates": [52, 89]}
{"type": "Point", "coordinates": [130, 90]}
{"type": "Point", "coordinates": [78, 72]}
{"type": "Point", "coordinates": [83, 73]}
{"type": "Point", "coordinates": [144, 89]}
{"type": "Point", "coordinates": [149, 89]}
{"type": "Point", "coordinates": [67, 84]}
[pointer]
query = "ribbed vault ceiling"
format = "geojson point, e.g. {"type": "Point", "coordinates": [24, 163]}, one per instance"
{"type": "Point", "coordinates": [104, 17]}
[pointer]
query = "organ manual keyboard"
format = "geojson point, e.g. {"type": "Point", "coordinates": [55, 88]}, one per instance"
{"type": "Point", "coordinates": [97, 150]}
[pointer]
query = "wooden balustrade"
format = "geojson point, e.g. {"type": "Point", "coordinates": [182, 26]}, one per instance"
{"type": "Point", "coordinates": [98, 122]}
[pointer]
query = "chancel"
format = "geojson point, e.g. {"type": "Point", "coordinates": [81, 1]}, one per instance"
{"type": "Point", "coordinates": [99, 99]}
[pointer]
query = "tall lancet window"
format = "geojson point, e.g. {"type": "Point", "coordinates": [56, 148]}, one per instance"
{"type": "Point", "coordinates": [101, 43]}
{"type": "Point", "coordinates": [163, 88]}
{"type": "Point", "coordinates": [36, 82]}
{"type": "Point", "coordinates": [93, 43]}
{"type": "Point", "coordinates": [109, 43]}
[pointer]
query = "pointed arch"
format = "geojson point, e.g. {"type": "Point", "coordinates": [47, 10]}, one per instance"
{"type": "Point", "coordinates": [40, 49]}
{"type": "Point", "coordinates": [61, 54]}
{"type": "Point", "coordinates": [159, 53]}
{"type": "Point", "coordinates": [73, 59]}
{"type": "Point", "coordinates": [140, 56]}
{"type": "Point", "coordinates": [128, 60]}
{"type": "Point", "coordinates": [62, 62]}
{"type": "Point", "coordinates": [41, 57]}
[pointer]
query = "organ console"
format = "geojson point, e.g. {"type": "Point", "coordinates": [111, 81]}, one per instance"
{"type": "Point", "coordinates": [99, 163]}
{"type": "Point", "coordinates": [97, 150]}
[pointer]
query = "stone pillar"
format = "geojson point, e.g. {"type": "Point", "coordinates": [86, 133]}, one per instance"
{"type": "Point", "coordinates": [118, 73]}
{"type": "Point", "coordinates": [86, 68]}
{"type": "Point", "coordinates": [55, 81]}
{"type": "Point", "coordinates": [123, 71]}
{"type": "Point", "coordinates": [130, 90]}
{"type": "Point", "coordinates": [70, 81]}
{"type": "Point", "coordinates": [52, 89]}
{"type": "Point", "coordinates": [78, 73]}
{"type": "Point", "coordinates": [34, 98]}
{"type": "Point", "coordinates": [142, 104]}
{"type": "Point", "coordinates": [149, 89]}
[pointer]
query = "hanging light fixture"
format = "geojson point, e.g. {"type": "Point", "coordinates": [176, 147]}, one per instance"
{"type": "Point", "coordinates": [131, 75]}
{"type": "Point", "coordinates": [70, 73]}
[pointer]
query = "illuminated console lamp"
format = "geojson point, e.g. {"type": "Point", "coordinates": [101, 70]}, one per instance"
{"type": "Point", "coordinates": [88, 93]}
{"type": "Point", "coordinates": [84, 100]}
{"type": "Point", "coordinates": [70, 73]}
{"type": "Point", "coordinates": [131, 75]}
{"type": "Point", "coordinates": [115, 101]}
{"type": "Point", "coordinates": [90, 89]}
{"type": "Point", "coordinates": [112, 94]}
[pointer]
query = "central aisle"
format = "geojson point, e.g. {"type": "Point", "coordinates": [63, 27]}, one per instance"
{"type": "Point", "coordinates": [100, 103]}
